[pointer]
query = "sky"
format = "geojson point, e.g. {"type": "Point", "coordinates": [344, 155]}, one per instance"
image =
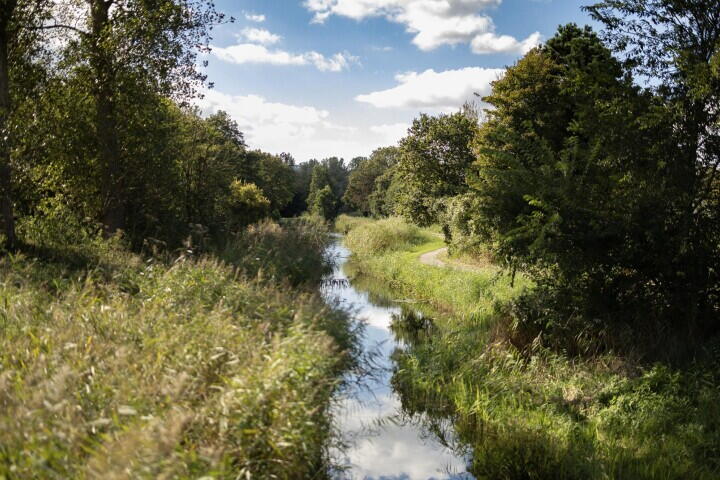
{"type": "Point", "coordinates": [322, 78]}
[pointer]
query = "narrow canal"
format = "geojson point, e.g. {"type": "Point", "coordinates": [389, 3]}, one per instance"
{"type": "Point", "coordinates": [383, 442]}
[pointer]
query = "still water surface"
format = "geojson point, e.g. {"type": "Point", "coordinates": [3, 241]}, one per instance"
{"type": "Point", "coordinates": [383, 442]}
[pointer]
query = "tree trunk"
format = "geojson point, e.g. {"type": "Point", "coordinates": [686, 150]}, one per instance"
{"type": "Point", "coordinates": [113, 215]}
{"type": "Point", "coordinates": [6, 204]}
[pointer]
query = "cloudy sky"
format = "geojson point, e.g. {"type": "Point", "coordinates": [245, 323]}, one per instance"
{"type": "Point", "coordinates": [321, 78]}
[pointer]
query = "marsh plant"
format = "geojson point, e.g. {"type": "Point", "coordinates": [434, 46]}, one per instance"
{"type": "Point", "coordinates": [182, 367]}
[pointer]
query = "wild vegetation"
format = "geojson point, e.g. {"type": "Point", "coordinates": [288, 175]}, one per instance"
{"type": "Point", "coordinates": [158, 306]}
{"type": "Point", "coordinates": [537, 413]}
{"type": "Point", "coordinates": [587, 346]}
{"type": "Point", "coordinates": [117, 365]}
{"type": "Point", "coordinates": [158, 319]}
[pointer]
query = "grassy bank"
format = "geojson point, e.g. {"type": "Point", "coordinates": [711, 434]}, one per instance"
{"type": "Point", "coordinates": [114, 365]}
{"type": "Point", "coordinates": [537, 415]}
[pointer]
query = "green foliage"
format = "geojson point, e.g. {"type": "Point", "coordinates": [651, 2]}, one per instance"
{"type": "Point", "coordinates": [275, 177]}
{"type": "Point", "coordinates": [385, 198]}
{"type": "Point", "coordinates": [384, 235]}
{"type": "Point", "coordinates": [362, 179]}
{"type": "Point", "coordinates": [677, 44]}
{"type": "Point", "coordinates": [322, 200]}
{"type": "Point", "coordinates": [345, 223]}
{"type": "Point", "coordinates": [433, 162]}
{"type": "Point", "coordinates": [572, 184]}
{"type": "Point", "coordinates": [323, 203]}
{"type": "Point", "coordinates": [56, 225]}
{"type": "Point", "coordinates": [245, 204]}
{"type": "Point", "coordinates": [127, 366]}
{"type": "Point", "coordinates": [462, 232]}
{"type": "Point", "coordinates": [291, 252]}
{"type": "Point", "coordinates": [536, 414]}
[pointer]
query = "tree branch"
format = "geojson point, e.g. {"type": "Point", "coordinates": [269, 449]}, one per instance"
{"type": "Point", "coordinates": [60, 26]}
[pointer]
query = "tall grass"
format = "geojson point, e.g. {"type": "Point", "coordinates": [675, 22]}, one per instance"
{"type": "Point", "coordinates": [132, 367]}
{"type": "Point", "coordinates": [344, 223]}
{"type": "Point", "coordinates": [389, 234]}
{"type": "Point", "coordinates": [537, 414]}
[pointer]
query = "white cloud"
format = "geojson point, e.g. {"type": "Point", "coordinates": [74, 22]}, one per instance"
{"type": "Point", "coordinates": [305, 131]}
{"type": "Point", "coordinates": [254, 17]}
{"type": "Point", "coordinates": [252, 53]}
{"type": "Point", "coordinates": [491, 43]}
{"type": "Point", "coordinates": [391, 133]}
{"type": "Point", "coordinates": [433, 22]}
{"type": "Point", "coordinates": [441, 91]}
{"type": "Point", "coordinates": [260, 35]}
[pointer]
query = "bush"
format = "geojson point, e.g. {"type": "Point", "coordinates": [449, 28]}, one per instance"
{"type": "Point", "coordinates": [56, 224]}
{"type": "Point", "coordinates": [460, 228]}
{"type": "Point", "coordinates": [292, 252]}
{"type": "Point", "coordinates": [345, 223]}
{"type": "Point", "coordinates": [245, 204]}
{"type": "Point", "coordinates": [385, 235]}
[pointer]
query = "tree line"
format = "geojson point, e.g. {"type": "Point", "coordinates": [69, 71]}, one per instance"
{"type": "Point", "coordinates": [594, 170]}
{"type": "Point", "coordinates": [98, 131]}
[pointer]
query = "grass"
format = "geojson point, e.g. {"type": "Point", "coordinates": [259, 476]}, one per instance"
{"type": "Point", "coordinates": [539, 415]}
{"type": "Point", "coordinates": [386, 235]}
{"type": "Point", "coordinates": [344, 223]}
{"type": "Point", "coordinates": [114, 365]}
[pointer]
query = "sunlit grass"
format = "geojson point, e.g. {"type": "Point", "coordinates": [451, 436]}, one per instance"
{"type": "Point", "coordinates": [131, 367]}
{"type": "Point", "coordinates": [540, 414]}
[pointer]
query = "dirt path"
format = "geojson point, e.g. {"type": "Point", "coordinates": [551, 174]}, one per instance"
{"type": "Point", "coordinates": [432, 258]}
{"type": "Point", "coordinates": [439, 258]}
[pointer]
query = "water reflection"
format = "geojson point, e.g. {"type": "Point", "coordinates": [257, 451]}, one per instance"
{"type": "Point", "coordinates": [387, 439]}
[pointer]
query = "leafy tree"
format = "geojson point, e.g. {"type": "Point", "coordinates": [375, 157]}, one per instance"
{"type": "Point", "coordinates": [433, 162]}
{"type": "Point", "coordinates": [245, 204]}
{"type": "Point", "coordinates": [19, 20]}
{"type": "Point", "coordinates": [321, 198]}
{"type": "Point", "coordinates": [677, 45]}
{"type": "Point", "coordinates": [337, 174]}
{"type": "Point", "coordinates": [131, 47]}
{"type": "Point", "coordinates": [324, 203]}
{"type": "Point", "coordinates": [301, 188]}
{"type": "Point", "coordinates": [275, 177]}
{"type": "Point", "coordinates": [571, 181]}
{"type": "Point", "coordinates": [361, 181]}
{"type": "Point", "coordinates": [386, 194]}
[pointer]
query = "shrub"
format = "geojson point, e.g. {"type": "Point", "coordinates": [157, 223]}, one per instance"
{"type": "Point", "coordinates": [56, 224]}
{"type": "Point", "coordinates": [344, 223]}
{"type": "Point", "coordinates": [382, 236]}
{"type": "Point", "coordinates": [245, 204]}
{"type": "Point", "coordinates": [292, 252]}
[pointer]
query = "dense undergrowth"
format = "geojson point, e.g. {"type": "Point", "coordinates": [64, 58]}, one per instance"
{"type": "Point", "coordinates": [116, 365]}
{"type": "Point", "coordinates": [534, 413]}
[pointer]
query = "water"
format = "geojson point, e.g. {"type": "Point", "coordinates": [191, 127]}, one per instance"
{"type": "Point", "coordinates": [384, 442]}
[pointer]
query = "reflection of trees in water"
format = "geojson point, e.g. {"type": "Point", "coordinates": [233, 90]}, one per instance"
{"type": "Point", "coordinates": [426, 407]}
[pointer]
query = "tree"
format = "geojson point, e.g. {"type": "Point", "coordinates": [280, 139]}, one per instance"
{"type": "Point", "coordinates": [321, 198]}
{"type": "Point", "coordinates": [324, 204]}
{"type": "Point", "coordinates": [245, 204]}
{"type": "Point", "coordinates": [275, 177]}
{"type": "Point", "coordinates": [361, 181]}
{"type": "Point", "coordinates": [571, 183]}
{"type": "Point", "coordinates": [677, 45]}
{"type": "Point", "coordinates": [133, 46]}
{"type": "Point", "coordinates": [19, 19]}
{"type": "Point", "coordinates": [433, 162]}
{"type": "Point", "coordinates": [337, 174]}
{"type": "Point", "coordinates": [301, 188]}
{"type": "Point", "coordinates": [386, 193]}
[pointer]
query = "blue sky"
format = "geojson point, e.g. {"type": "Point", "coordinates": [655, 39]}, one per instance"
{"type": "Point", "coordinates": [318, 78]}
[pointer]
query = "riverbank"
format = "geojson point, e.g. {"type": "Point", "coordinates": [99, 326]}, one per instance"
{"type": "Point", "coordinates": [541, 414]}
{"type": "Point", "coordinates": [116, 365]}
